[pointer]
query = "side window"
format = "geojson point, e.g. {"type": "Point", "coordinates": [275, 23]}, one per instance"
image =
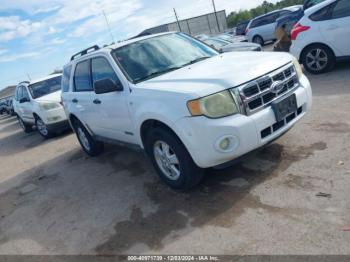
{"type": "Point", "coordinates": [322, 14]}
{"type": "Point", "coordinates": [101, 69]}
{"type": "Point", "coordinates": [25, 93]}
{"type": "Point", "coordinates": [19, 93]}
{"type": "Point", "coordinates": [341, 9]}
{"type": "Point", "coordinates": [65, 78]}
{"type": "Point", "coordinates": [82, 80]}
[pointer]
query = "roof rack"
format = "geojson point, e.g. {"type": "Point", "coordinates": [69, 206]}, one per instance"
{"type": "Point", "coordinates": [23, 82]}
{"type": "Point", "coordinates": [85, 51]}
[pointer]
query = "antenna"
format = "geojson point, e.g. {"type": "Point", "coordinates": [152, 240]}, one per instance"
{"type": "Point", "coordinates": [109, 28]}
{"type": "Point", "coordinates": [29, 77]}
{"type": "Point", "coordinates": [177, 20]}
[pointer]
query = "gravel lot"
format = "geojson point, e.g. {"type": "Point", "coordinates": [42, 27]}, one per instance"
{"type": "Point", "coordinates": [56, 200]}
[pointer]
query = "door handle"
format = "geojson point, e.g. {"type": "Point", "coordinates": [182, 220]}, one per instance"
{"type": "Point", "coordinates": [75, 100]}
{"type": "Point", "coordinates": [97, 101]}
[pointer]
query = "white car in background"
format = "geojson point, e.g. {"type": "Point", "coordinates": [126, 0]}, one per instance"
{"type": "Point", "coordinates": [262, 28]}
{"type": "Point", "coordinates": [322, 36]}
{"type": "Point", "coordinates": [226, 46]}
{"type": "Point", "coordinates": [39, 103]}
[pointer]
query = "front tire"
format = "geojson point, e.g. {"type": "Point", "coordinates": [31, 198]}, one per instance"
{"type": "Point", "coordinates": [27, 128]}
{"type": "Point", "coordinates": [171, 160]}
{"type": "Point", "coordinates": [318, 59]}
{"type": "Point", "coordinates": [42, 128]}
{"type": "Point", "coordinates": [89, 145]}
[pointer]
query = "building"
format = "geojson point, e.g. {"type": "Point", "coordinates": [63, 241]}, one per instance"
{"type": "Point", "coordinates": [203, 24]}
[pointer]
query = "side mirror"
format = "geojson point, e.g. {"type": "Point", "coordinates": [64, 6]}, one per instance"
{"type": "Point", "coordinates": [107, 85]}
{"type": "Point", "coordinates": [23, 100]}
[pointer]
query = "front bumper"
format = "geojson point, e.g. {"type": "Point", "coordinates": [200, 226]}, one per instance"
{"type": "Point", "coordinates": [201, 135]}
{"type": "Point", "coordinates": [58, 126]}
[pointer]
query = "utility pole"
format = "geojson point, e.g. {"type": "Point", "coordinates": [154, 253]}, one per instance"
{"type": "Point", "coordinates": [216, 16]}
{"type": "Point", "coordinates": [177, 20]}
{"type": "Point", "coordinates": [109, 28]}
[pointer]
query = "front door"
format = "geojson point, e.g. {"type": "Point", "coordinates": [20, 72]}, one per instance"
{"type": "Point", "coordinates": [111, 110]}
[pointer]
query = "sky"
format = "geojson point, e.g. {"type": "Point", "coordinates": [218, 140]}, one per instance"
{"type": "Point", "coordinates": [38, 36]}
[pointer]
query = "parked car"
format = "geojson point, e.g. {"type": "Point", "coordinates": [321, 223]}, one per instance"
{"type": "Point", "coordinates": [9, 106]}
{"type": "Point", "coordinates": [202, 36]}
{"type": "Point", "coordinates": [188, 106]}
{"type": "Point", "coordinates": [231, 31]}
{"type": "Point", "coordinates": [39, 103]}
{"type": "Point", "coordinates": [226, 46]}
{"type": "Point", "coordinates": [232, 39]}
{"type": "Point", "coordinates": [2, 106]}
{"type": "Point", "coordinates": [241, 27]}
{"type": "Point", "coordinates": [262, 28]}
{"type": "Point", "coordinates": [322, 36]}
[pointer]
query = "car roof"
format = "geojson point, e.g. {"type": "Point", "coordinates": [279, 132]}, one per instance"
{"type": "Point", "coordinates": [44, 78]}
{"type": "Point", "coordinates": [293, 8]}
{"type": "Point", "coordinates": [269, 13]}
{"type": "Point", "coordinates": [318, 6]}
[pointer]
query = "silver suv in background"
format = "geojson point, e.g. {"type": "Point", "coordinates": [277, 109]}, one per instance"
{"type": "Point", "coordinates": [262, 28]}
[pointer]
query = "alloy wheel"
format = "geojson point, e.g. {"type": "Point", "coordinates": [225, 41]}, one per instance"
{"type": "Point", "coordinates": [317, 59]}
{"type": "Point", "coordinates": [41, 127]}
{"type": "Point", "coordinates": [166, 160]}
{"type": "Point", "coordinates": [83, 139]}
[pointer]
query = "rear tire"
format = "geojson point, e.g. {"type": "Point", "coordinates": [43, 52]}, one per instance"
{"type": "Point", "coordinates": [258, 40]}
{"type": "Point", "coordinates": [89, 145]}
{"type": "Point", "coordinates": [318, 59]}
{"type": "Point", "coordinates": [27, 128]}
{"type": "Point", "coordinates": [171, 160]}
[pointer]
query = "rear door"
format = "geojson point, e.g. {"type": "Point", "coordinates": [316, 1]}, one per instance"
{"type": "Point", "coordinates": [80, 99]}
{"type": "Point", "coordinates": [110, 110]}
{"type": "Point", "coordinates": [336, 30]}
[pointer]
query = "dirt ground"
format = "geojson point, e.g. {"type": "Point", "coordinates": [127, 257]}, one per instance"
{"type": "Point", "coordinates": [56, 200]}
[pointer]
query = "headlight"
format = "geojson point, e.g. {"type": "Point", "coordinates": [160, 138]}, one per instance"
{"type": "Point", "coordinates": [213, 106]}
{"type": "Point", "coordinates": [48, 105]}
{"type": "Point", "coordinates": [298, 68]}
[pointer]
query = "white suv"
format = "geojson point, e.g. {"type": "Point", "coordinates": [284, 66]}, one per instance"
{"type": "Point", "coordinates": [39, 103]}
{"type": "Point", "coordinates": [187, 105]}
{"type": "Point", "coordinates": [322, 36]}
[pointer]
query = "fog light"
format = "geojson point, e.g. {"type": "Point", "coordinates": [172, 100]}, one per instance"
{"type": "Point", "coordinates": [224, 144]}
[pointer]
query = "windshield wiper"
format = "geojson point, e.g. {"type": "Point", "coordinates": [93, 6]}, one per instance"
{"type": "Point", "coordinates": [197, 60]}
{"type": "Point", "coordinates": [157, 73]}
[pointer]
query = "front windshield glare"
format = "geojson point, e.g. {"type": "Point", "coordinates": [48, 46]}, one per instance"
{"type": "Point", "coordinates": [45, 87]}
{"type": "Point", "coordinates": [154, 56]}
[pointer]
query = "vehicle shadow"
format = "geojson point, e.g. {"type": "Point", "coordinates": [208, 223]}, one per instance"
{"type": "Point", "coordinates": [18, 141]}
{"type": "Point", "coordinates": [7, 119]}
{"type": "Point", "coordinates": [109, 204]}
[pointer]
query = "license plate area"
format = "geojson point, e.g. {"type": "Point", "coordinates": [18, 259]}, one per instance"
{"type": "Point", "coordinates": [284, 107]}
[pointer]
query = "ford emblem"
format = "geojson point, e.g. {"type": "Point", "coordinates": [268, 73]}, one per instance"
{"type": "Point", "coordinates": [276, 87]}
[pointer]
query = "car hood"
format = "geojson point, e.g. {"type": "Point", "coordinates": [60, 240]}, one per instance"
{"type": "Point", "coordinates": [53, 97]}
{"type": "Point", "coordinates": [218, 73]}
{"type": "Point", "coordinates": [242, 46]}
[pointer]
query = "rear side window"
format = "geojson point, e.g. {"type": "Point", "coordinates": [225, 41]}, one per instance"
{"type": "Point", "coordinates": [323, 14]}
{"type": "Point", "coordinates": [82, 79]}
{"type": "Point", "coordinates": [341, 9]}
{"type": "Point", "coordinates": [65, 78]}
{"type": "Point", "coordinates": [101, 69]}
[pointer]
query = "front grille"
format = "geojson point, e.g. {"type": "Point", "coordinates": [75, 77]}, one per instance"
{"type": "Point", "coordinates": [257, 94]}
{"type": "Point", "coordinates": [278, 125]}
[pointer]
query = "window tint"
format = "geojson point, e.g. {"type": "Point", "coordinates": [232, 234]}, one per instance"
{"type": "Point", "coordinates": [341, 9]}
{"type": "Point", "coordinates": [283, 13]}
{"type": "Point", "coordinates": [25, 93]}
{"type": "Point", "coordinates": [65, 78]}
{"type": "Point", "coordinates": [322, 14]}
{"type": "Point", "coordinates": [101, 69]}
{"type": "Point", "coordinates": [82, 81]}
{"type": "Point", "coordinates": [265, 20]}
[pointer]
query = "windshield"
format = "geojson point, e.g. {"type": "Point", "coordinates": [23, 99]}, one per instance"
{"type": "Point", "coordinates": [158, 55]}
{"type": "Point", "coordinates": [45, 87]}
